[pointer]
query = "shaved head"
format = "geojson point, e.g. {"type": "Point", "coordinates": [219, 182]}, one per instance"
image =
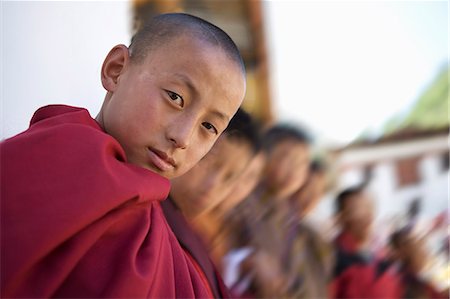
{"type": "Point", "coordinates": [166, 27]}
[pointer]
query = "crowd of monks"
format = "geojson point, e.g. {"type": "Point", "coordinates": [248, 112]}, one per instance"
{"type": "Point", "coordinates": [255, 225]}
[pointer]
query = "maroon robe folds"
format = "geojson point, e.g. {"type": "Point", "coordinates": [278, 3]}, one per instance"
{"type": "Point", "coordinates": [78, 221]}
{"type": "Point", "coordinates": [193, 244]}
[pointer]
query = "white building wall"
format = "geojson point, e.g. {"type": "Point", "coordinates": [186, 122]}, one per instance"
{"type": "Point", "coordinates": [350, 177]}
{"type": "Point", "coordinates": [390, 198]}
{"type": "Point", "coordinates": [382, 188]}
{"type": "Point", "coordinates": [429, 167]}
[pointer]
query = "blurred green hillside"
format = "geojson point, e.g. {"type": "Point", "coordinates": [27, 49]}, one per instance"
{"type": "Point", "coordinates": [429, 112]}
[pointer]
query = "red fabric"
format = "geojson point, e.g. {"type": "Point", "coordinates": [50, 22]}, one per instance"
{"type": "Point", "coordinates": [194, 248]}
{"type": "Point", "coordinates": [347, 243]}
{"type": "Point", "coordinates": [357, 277]}
{"type": "Point", "coordinates": [202, 275]}
{"type": "Point", "coordinates": [78, 221]}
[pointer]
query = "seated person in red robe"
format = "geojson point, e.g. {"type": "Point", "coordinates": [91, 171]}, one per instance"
{"type": "Point", "coordinates": [358, 272]}
{"type": "Point", "coordinates": [80, 197]}
{"type": "Point", "coordinates": [205, 185]}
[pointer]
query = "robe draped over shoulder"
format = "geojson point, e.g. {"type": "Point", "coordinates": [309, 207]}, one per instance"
{"type": "Point", "coordinates": [77, 220]}
{"type": "Point", "coordinates": [192, 243]}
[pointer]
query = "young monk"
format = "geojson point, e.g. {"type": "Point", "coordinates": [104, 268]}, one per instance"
{"type": "Point", "coordinates": [222, 237]}
{"type": "Point", "coordinates": [359, 272]}
{"type": "Point", "coordinates": [307, 258]}
{"type": "Point", "coordinates": [265, 212]}
{"type": "Point", "coordinates": [81, 213]}
{"type": "Point", "coordinates": [206, 184]}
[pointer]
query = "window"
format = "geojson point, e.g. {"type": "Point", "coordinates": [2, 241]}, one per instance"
{"type": "Point", "coordinates": [407, 171]}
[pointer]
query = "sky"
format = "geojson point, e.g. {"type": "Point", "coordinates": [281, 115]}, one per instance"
{"type": "Point", "coordinates": [338, 67]}
{"type": "Point", "coordinates": [343, 68]}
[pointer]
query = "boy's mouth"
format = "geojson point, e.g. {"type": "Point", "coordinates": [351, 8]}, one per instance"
{"type": "Point", "coordinates": [161, 160]}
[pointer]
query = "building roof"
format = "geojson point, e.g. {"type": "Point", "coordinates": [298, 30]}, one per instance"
{"type": "Point", "coordinates": [406, 134]}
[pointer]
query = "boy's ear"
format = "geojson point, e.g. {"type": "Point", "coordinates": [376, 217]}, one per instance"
{"type": "Point", "coordinates": [113, 66]}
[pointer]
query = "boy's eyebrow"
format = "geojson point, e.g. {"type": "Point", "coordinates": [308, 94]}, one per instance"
{"type": "Point", "coordinates": [220, 115]}
{"type": "Point", "coordinates": [188, 82]}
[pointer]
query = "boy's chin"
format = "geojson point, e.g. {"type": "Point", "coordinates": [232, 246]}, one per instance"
{"type": "Point", "coordinates": [166, 174]}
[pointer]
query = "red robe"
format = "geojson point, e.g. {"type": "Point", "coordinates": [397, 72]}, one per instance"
{"type": "Point", "coordinates": [78, 221]}
{"type": "Point", "coordinates": [193, 244]}
{"type": "Point", "coordinates": [362, 276]}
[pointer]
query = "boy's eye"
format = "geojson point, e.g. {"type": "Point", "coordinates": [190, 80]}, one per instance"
{"type": "Point", "coordinates": [210, 127]}
{"type": "Point", "coordinates": [176, 98]}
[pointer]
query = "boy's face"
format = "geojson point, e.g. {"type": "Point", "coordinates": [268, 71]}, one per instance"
{"type": "Point", "coordinates": [310, 193]}
{"type": "Point", "coordinates": [208, 182]}
{"type": "Point", "coordinates": [287, 167]}
{"type": "Point", "coordinates": [168, 110]}
{"type": "Point", "coordinates": [246, 182]}
{"type": "Point", "coordinates": [357, 216]}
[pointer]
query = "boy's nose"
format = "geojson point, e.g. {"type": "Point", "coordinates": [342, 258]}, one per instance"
{"type": "Point", "coordinates": [181, 133]}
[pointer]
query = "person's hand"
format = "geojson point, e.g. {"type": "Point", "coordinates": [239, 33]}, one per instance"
{"type": "Point", "coordinates": [415, 255]}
